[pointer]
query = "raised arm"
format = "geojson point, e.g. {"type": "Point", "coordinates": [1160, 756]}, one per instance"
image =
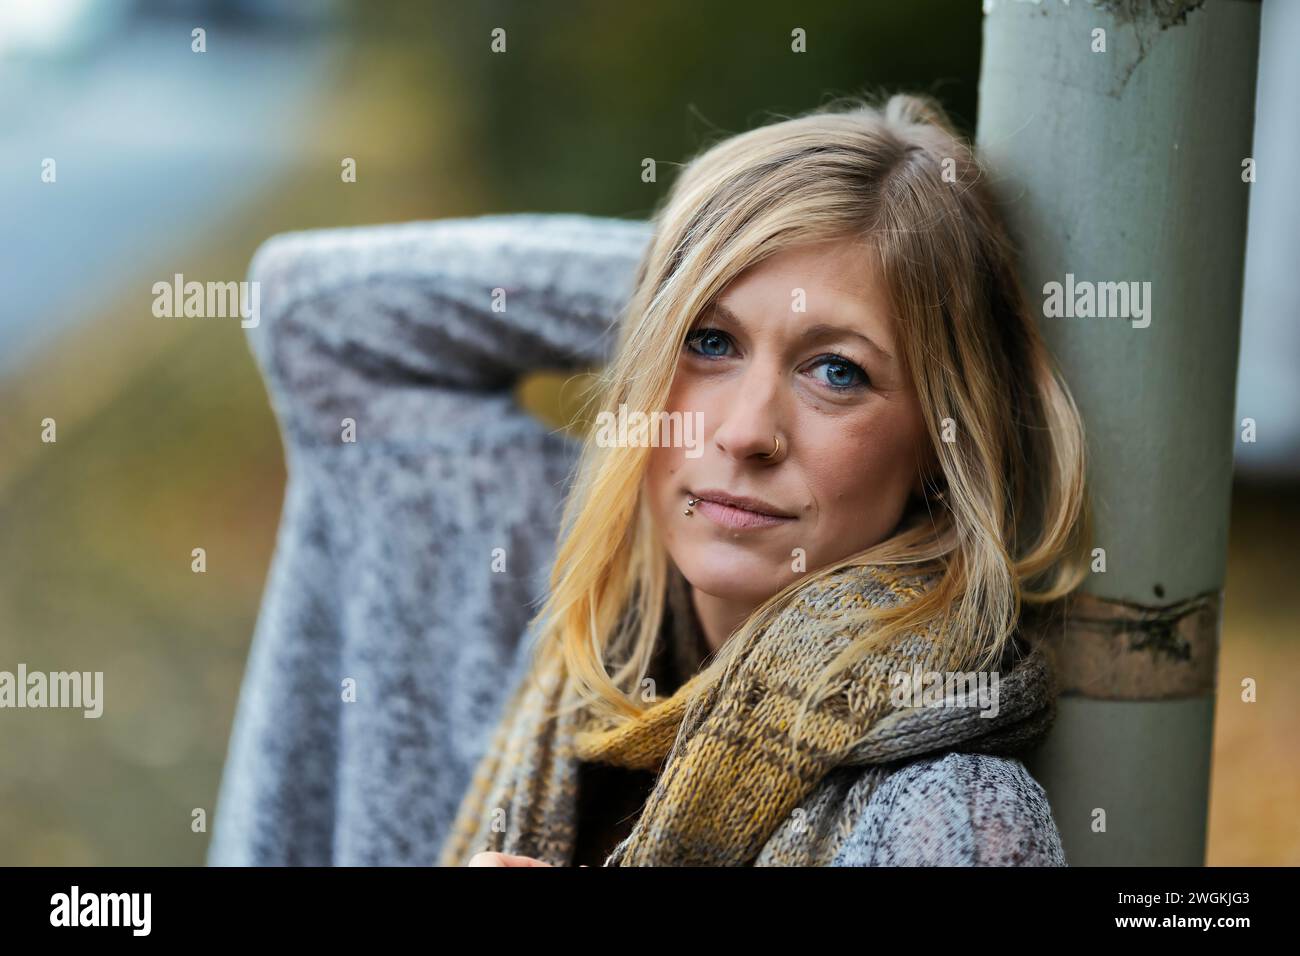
{"type": "Point", "coordinates": [412, 552]}
{"type": "Point", "coordinates": [390, 322]}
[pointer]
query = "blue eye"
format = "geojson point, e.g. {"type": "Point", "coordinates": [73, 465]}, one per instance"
{"type": "Point", "coordinates": [710, 338]}
{"type": "Point", "coordinates": [841, 374]}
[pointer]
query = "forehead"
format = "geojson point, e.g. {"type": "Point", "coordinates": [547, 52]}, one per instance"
{"type": "Point", "coordinates": [837, 281]}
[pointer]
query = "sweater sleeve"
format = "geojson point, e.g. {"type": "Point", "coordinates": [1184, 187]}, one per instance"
{"type": "Point", "coordinates": [400, 324]}
{"type": "Point", "coordinates": [955, 810]}
{"type": "Point", "coordinates": [418, 523]}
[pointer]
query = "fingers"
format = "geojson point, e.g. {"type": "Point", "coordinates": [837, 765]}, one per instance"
{"type": "Point", "coordinates": [503, 859]}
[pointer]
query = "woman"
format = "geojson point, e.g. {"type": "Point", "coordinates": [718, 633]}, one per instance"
{"type": "Point", "coordinates": [887, 483]}
{"type": "Point", "coordinates": [889, 468]}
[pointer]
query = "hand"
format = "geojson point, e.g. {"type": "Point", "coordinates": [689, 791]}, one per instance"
{"type": "Point", "coordinates": [503, 859]}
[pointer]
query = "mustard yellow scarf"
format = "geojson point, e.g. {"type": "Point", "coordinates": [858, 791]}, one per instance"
{"type": "Point", "coordinates": [729, 769]}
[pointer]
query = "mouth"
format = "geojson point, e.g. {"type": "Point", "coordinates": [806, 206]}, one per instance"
{"type": "Point", "coordinates": [738, 512]}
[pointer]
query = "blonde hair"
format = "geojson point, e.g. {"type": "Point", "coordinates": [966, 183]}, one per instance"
{"type": "Point", "coordinates": [1017, 523]}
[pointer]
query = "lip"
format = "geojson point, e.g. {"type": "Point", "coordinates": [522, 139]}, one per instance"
{"type": "Point", "coordinates": [738, 511]}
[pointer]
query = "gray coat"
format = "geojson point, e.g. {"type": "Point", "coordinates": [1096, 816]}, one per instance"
{"type": "Point", "coordinates": [382, 583]}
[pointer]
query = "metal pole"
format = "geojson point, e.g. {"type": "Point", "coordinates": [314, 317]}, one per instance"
{"type": "Point", "coordinates": [1116, 134]}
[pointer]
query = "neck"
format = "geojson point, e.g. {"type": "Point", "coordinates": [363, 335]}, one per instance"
{"type": "Point", "coordinates": [718, 617]}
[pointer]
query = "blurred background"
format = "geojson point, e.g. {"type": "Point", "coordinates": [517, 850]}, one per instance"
{"type": "Point", "coordinates": [170, 161]}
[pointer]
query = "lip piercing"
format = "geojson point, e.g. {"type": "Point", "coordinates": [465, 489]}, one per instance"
{"type": "Point", "coordinates": [690, 503]}
{"type": "Point", "coordinates": [772, 453]}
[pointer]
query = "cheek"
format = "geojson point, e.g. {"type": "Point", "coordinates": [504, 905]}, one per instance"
{"type": "Point", "coordinates": [660, 476]}
{"type": "Point", "coordinates": [863, 465]}
{"type": "Point", "coordinates": [665, 472]}
{"type": "Point", "coordinates": [667, 467]}
{"type": "Point", "coordinates": [666, 461]}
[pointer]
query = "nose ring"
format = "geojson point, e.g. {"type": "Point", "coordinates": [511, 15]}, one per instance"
{"type": "Point", "coordinates": [773, 452]}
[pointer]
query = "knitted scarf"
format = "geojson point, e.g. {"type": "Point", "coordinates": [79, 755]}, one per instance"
{"type": "Point", "coordinates": [730, 774]}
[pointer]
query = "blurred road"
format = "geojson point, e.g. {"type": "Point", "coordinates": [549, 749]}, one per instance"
{"type": "Point", "coordinates": [154, 144]}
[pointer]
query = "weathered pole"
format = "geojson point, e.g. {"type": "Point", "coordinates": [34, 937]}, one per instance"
{"type": "Point", "coordinates": [1118, 135]}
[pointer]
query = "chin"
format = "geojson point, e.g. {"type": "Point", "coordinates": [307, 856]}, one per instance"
{"type": "Point", "coordinates": [734, 573]}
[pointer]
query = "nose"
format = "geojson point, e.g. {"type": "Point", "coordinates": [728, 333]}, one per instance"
{"type": "Point", "coordinates": [752, 415]}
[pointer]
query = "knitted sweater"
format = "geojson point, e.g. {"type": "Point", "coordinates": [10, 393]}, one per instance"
{"type": "Point", "coordinates": [389, 637]}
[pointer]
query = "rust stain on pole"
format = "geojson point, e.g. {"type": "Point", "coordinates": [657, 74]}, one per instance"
{"type": "Point", "coordinates": [1119, 650]}
{"type": "Point", "coordinates": [1167, 13]}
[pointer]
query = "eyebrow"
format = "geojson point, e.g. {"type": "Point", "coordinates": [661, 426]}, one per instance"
{"type": "Point", "coordinates": [812, 331]}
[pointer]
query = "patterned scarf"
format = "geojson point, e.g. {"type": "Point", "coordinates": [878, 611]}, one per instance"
{"type": "Point", "coordinates": [730, 774]}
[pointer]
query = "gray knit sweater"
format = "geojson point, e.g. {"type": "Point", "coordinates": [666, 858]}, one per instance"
{"type": "Point", "coordinates": [387, 643]}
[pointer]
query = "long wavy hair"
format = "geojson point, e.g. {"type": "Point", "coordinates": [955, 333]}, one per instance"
{"type": "Point", "coordinates": [1015, 524]}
